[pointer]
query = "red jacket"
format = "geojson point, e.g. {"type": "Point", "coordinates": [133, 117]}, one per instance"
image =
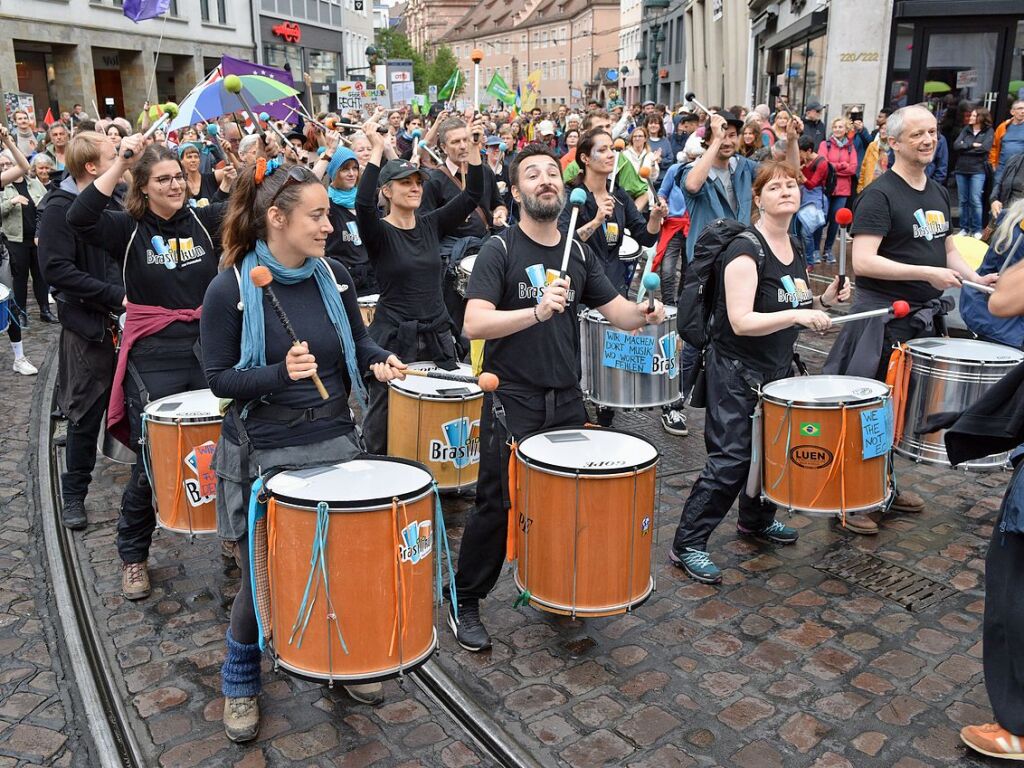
{"type": "Point", "coordinates": [844, 160]}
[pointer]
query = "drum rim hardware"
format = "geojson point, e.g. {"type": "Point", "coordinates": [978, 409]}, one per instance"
{"type": "Point", "coordinates": [360, 505]}
{"type": "Point", "coordinates": [595, 472]}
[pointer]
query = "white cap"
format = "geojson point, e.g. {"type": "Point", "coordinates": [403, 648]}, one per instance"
{"type": "Point", "coordinates": [546, 128]}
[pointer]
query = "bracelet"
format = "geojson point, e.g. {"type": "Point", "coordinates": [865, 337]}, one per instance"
{"type": "Point", "coordinates": [821, 301]}
{"type": "Point", "coordinates": [536, 316]}
{"type": "Point", "coordinates": [327, 158]}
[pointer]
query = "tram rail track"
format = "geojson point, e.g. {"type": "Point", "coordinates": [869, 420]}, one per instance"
{"type": "Point", "coordinates": [109, 722]}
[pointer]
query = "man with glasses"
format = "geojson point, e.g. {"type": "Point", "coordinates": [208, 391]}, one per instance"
{"type": "Point", "coordinates": [1008, 141]}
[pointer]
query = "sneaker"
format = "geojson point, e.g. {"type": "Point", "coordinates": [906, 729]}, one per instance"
{"type": "Point", "coordinates": [697, 565]}
{"type": "Point", "coordinates": [369, 693]}
{"type": "Point", "coordinates": [907, 501]}
{"type": "Point", "coordinates": [993, 740]}
{"type": "Point", "coordinates": [963, 233]}
{"type": "Point", "coordinates": [861, 524]}
{"type": "Point", "coordinates": [135, 580]}
{"type": "Point", "coordinates": [24, 367]}
{"type": "Point", "coordinates": [469, 631]}
{"type": "Point", "coordinates": [674, 422]}
{"type": "Point", "coordinates": [831, 259]}
{"type": "Point", "coordinates": [241, 718]}
{"type": "Point", "coordinates": [775, 532]}
{"type": "Point", "coordinates": [978, 235]}
{"type": "Point", "coordinates": [72, 515]}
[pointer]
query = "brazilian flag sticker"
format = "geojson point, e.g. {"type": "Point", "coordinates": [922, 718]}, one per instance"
{"type": "Point", "coordinates": [810, 429]}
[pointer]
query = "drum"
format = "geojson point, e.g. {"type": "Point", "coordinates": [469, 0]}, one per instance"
{"type": "Point", "coordinates": [437, 422]}
{"type": "Point", "coordinates": [629, 250]}
{"type": "Point", "coordinates": [948, 375]}
{"type": "Point", "coordinates": [629, 371]}
{"type": "Point", "coordinates": [826, 442]}
{"type": "Point", "coordinates": [180, 434]}
{"type": "Point", "coordinates": [350, 561]}
{"type": "Point", "coordinates": [368, 307]}
{"type": "Point", "coordinates": [584, 519]}
{"type": "Point", "coordinates": [465, 269]}
{"type": "Point", "coordinates": [5, 308]}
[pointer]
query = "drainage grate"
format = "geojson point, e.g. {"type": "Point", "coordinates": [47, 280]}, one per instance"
{"type": "Point", "coordinates": [911, 590]}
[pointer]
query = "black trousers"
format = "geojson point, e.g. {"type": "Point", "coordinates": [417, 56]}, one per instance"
{"type": "Point", "coordinates": [25, 261]}
{"type": "Point", "coordinates": [244, 628]}
{"type": "Point", "coordinates": [1003, 630]}
{"type": "Point", "coordinates": [728, 433]}
{"type": "Point", "coordinates": [80, 451]}
{"type": "Point", "coordinates": [483, 541]}
{"type": "Point", "coordinates": [167, 373]}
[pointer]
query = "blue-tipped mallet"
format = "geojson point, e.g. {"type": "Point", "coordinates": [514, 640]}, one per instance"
{"type": "Point", "coordinates": [576, 199]}
{"type": "Point", "coordinates": [652, 283]}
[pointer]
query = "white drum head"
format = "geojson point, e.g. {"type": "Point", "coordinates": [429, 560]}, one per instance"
{"type": "Point", "coordinates": [466, 265]}
{"type": "Point", "coordinates": [810, 390]}
{"type": "Point", "coordinates": [369, 300]}
{"type": "Point", "coordinates": [198, 404]}
{"type": "Point", "coordinates": [439, 388]}
{"type": "Point", "coordinates": [588, 451]}
{"type": "Point", "coordinates": [121, 320]}
{"type": "Point", "coordinates": [355, 484]}
{"type": "Point", "coordinates": [629, 249]}
{"type": "Point", "coordinates": [5, 292]}
{"type": "Point", "coordinates": [965, 350]}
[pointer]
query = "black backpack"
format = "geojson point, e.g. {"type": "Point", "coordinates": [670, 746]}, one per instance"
{"type": "Point", "coordinates": [830, 178]}
{"type": "Point", "coordinates": [697, 299]}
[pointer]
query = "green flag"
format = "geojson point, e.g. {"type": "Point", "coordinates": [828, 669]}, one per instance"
{"type": "Point", "coordinates": [451, 87]}
{"type": "Point", "coordinates": [499, 89]}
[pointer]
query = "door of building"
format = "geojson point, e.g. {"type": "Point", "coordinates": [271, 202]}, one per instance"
{"type": "Point", "coordinates": [108, 86]}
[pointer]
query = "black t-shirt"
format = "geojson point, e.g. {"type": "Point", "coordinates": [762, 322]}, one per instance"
{"type": "Point", "coordinates": [913, 226]}
{"type": "Point", "coordinates": [439, 189]}
{"type": "Point", "coordinates": [345, 243]}
{"type": "Point", "coordinates": [545, 355]}
{"type": "Point", "coordinates": [781, 287]}
{"type": "Point", "coordinates": [28, 213]}
{"type": "Point", "coordinates": [208, 187]}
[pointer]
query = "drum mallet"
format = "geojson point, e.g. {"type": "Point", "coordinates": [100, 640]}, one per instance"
{"type": "Point", "coordinates": [416, 134]}
{"type": "Point", "coordinates": [432, 153]}
{"type": "Point", "coordinates": [618, 145]}
{"type": "Point", "coordinates": [844, 217]}
{"type": "Point", "coordinates": [167, 112]}
{"type": "Point", "coordinates": [692, 97]}
{"type": "Point", "coordinates": [978, 286]}
{"type": "Point", "coordinates": [233, 84]}
{"type": "Point", "coordinates": [576, 200]}
{"type": "Point", "coordinates": [898, 309]}
{"type": "Point", "coordinates": [265, 118]}
{"type": "Point", "coordinates": [652, 199]}
{"type": "Point", "coordinates": [262, 278]}
{"type": "Point", "coordinates": [652, 283]}
{"type": "Point", "coordinates": [488, 382]}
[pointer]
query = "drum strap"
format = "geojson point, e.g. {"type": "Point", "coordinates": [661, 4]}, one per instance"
{"type": "Point", "coordinates": [280, 414]}
{"type": "Point", "coordinates": [897, 377]}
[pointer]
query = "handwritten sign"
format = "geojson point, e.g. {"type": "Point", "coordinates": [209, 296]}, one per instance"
{"type": "Point", "coordinates": [627, 352]}
{"type": "Point", "coordinates": [876, 429]}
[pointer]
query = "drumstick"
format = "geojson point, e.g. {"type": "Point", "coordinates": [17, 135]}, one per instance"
{"type": "Point", "coordinates": [618, 145]}
{"type": "Point", "coordinates": [262, 278]}
{"type": "Point", "coordinates": [169, 111]}
{"type": "Point", "coordinates": [576, 199]}
{"type": "Point", "coordinates": [416, 133]}
{"type": "Point", "coordinates": [488, 382]}
{"type": "Point", "coordinates": [429, 151]}
{"type": "Point", "coordinates": [979, 286]}
{"type": "Point", "coordinates": [645, 174]}
{"type": "Point", "coordinates": [652, 283]}
{"type": "Point", "coordinates": [898, 309]}
{"type": "Point", "coordinates": [692, 97]}
{"type": "Point", "coordinates": [844, 217]}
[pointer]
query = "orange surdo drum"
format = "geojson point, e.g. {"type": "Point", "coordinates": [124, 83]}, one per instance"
{"type": "Point", "coordinates": [368, 307]}
{"type": "Point", "coordinates": [826, 444]}
{"type": "Point", "coordinates": [349, 568]}
{"type": "Point", "coordinates": [437, 422]}
{"type": "Point", "coordinates": [583, 517]}
{"type": "Point", "coordinates": [180, 434]}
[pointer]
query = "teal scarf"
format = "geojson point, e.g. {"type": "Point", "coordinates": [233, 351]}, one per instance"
{"type": "Point", "coordinates": [343, 197]}
{"type": "Point", "coordinates": [254, 341]}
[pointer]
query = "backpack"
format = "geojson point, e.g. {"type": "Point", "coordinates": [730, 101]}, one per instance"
{"type": "Point", "coordinates": [830, 178]}
{"type": "Point", "coordinates": [696, 305]}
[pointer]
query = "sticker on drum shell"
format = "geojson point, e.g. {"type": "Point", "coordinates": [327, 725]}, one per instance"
{"type": "Point", "coordinates": [461, 444]}
{"type": "Point", "coordinates": [417, 542]}
{"type": "Point", "coordinates": [201, 489]}
{"type": "Point", "coordinates": [811, 456]}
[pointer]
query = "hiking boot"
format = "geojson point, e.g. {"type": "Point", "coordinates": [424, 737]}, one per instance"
{"type": "Point", "coordinates": [469, 631]}
{"type": "Point", "coordinates": [135, 580]}
{"type": "Point", "coordinates": [674, 422]}
{"type": "Point", "coordinates": [993, 740]}
{"type": "Point", "coordinates": [861, 524]}
{"type": "Point", "coordinates": [241, 718]}
{"type": "Point", "coordinates": [907, 501]}
{"type": "Point", "coordinates": [369, 693]}
{"type": "Point", "coordinates": [697, 565]}
{"type": "Point", "coordinates": [72, 514]}
{"type": "Point", "coordinates": [775, 532]}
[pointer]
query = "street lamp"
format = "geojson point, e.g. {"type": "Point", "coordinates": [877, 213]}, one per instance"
{"type": "Point", "coordinates": [657, 36]}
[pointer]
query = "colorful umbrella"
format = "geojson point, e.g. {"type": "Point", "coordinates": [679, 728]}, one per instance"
{"type": "Point", "coordinates": [211, 99]}
{"type": "Point", "coordinates": [935, 86]}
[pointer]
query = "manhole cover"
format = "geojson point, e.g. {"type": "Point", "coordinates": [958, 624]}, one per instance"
{"type": "Point", "coordinates": [911, 590]}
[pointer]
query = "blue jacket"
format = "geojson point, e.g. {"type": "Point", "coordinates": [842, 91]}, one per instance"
{"type": "Point", "coordinates": [710, 202]}
{"type": "Point", "coordinates": [974, 304]}
{"type": "Point", "coordinates": [860, 143]}
{"type": "Point", "coordinates": [672, 191]}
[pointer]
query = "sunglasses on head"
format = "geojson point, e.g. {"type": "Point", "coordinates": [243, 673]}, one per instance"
{"type": "Point", "coordinates": [296, 175]}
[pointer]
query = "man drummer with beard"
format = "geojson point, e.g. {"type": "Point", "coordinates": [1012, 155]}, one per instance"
{"type": "Point", "coordinates": [533, 345]}
{"type": "Point", "coordinates": [901, 251]}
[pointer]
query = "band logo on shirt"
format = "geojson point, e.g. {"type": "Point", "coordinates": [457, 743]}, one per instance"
{"type": "Point", "coordinates": [794, 292]}
{"type": "Point", "coordinates": [540, 277]}
{"type": "Point", "coordinates": [178, 252]}
{"type": "Point", "coordinates": [929, 223]}
{"type": "Point", "coordinates": [352, 236]}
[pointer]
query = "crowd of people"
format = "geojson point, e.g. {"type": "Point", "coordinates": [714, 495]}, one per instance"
{"type": "Point", "coordinates": [112, 219]}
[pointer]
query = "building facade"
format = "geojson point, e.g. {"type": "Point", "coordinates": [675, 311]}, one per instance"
{"type": "Point", "coordinates": [630, 41]}
{"type": "Point", "coordinates": [66, 52]}
{"type": "Point", "coordinates": [717, 41]}
{"type": "Point", "coordinates": [663, 61]}
{"type": "Point", "coordinates": [427, 21]}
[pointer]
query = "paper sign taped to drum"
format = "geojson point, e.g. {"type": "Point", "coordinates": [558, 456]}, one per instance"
{"type": "Point", "coordinates": [876, 428]}
{"type": "Point", "coordinates": [202, 489]}
{"type": "Point", "coordinates": [628, 353]}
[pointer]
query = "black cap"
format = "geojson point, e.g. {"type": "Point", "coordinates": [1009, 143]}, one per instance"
{"type": "Point", "coordinates": [398, 169]}
{"type": "Point", "coordinates": [813, 106]}
{"type": "Point", "coordinates": [731, 119]}
{"type": "Point", "coordinates": [688, 117]}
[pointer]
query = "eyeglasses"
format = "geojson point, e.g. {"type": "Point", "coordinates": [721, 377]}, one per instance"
{"type": "Point", "coordinates": [165, 181]}
{"type": "Point", "coordinates": [296, 175]}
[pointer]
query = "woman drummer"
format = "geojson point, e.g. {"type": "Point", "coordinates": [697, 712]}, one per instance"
{"type": "Point", "coordinates": [278, 218]}
{"type": "Point", "coordinates": [169, 252]}
{"type": "Point", "coordinates": [202, 188]}
{"type": "Point", "coordinates": [345, 243]}
{"type": "Point", "coordinates": [405, 252]}
{"type": "Point", "coordinates": [757, 314]}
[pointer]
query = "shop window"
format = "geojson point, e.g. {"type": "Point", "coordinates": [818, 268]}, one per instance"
{"type": "Point", "coordinates": [803, 72]}
{"type": "Point", "coordinates": [1015, 88]}
{"type": "Point", "coordinates": [960, 67]}
{"type": "Point", "coordinates": [901, 59]}
{"type": "Point", "coordinates": [282, 56]}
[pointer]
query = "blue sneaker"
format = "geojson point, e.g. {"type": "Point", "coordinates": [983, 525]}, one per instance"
{"type": "Point", "coordinates": [775, 532]}
{"type": "Point", "coordinates": [697, 565]}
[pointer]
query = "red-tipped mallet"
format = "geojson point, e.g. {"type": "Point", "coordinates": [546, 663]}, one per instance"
{"type": "Point", "coordinates": [844, 217]}
{"type": "Point", "coordinates": [262, 278]}
{"type": "Point", "coordinates": [898, 309]}
{"type": "Point", "coordinates": [488, 382]}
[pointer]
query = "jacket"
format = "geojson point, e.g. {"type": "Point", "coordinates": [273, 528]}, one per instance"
{"type": "Point", "coordinates": [86, 279]}
{"type": "Point", "coordinates": [11, 211]}
{"type": "Point", "coordinates": [844, 160]}
{"type": "Point", "coordinates": [1010, 186]}
{"type": "Point", "coordinates": [971, 159]}
{"type": "Point", "coordinates": [997, 143]}
{"type": "Point", "coordinates": [872, 157]}
{"type": "Point", "coordinates": [710, 203]}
